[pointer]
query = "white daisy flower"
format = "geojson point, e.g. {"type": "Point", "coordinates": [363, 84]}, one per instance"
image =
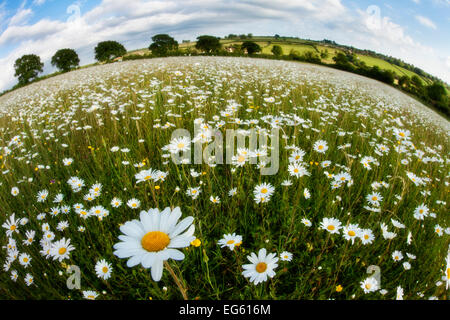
{"type": "Point", "coordinates": [14, 191]}
{"type": "Point", "coordinates": [230, 241]}
{"type": "Point", "coordinates": [286, 256]}
{"type": "Point", "coordinates": [369, 285]}
{"type": "Point", "coordinates": [116, 202]}
{"type": "Point", "coordinates": [103, 269]}
{"type": "Point", "coordinates": [42, 195]}
{"type": "Point", "coordinates": [60, 249]}
{"type": "Point", "coordinates": [331, 225]}
{"type": "Point", "coordinates": [397, 255]}
{"type": "Point", "coordinates": [320, 146]}
{"type": "Point", "coordinates": [306, 222]}
{"type": "Point", "coordinates": [133, 203]}
{"type": "Point", "coordinates": [262, 266]}
{"type": "Point", "coordinates": [154, 239]}
{"type": "Point", "coordinates": [215, 200]}
{"type": "Point", "coordinates": [90, 295]}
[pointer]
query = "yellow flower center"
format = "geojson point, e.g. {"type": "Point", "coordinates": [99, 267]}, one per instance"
{"type": "Point", "coordinates": [374, 198]}
{"type": "Point", "coordinates": [264, 190]}
{"type": "Point", "coordinates": [351, 233]}
{"type": "Point", "coordinates": [366, 236]}
{"type": "Point", "coordinates": [330, 227]}
{"type": "Point", "coordinates": [180, 145]}
{"type": "Point", "coordinates": [105, 269]}
{"type": "Point", "coordinates": [261, 267]}
{"type": "Point", "coordinates": [320, 147]}
{"type": "Point", "coordinates": [25, 260]}
{"type": "Point", "coordinates": [13, 227]}
{"type": "Point", "coordinates": [230, 241]}
{"type": "Point", "coordinates": [62, 250]}
{"type": "Point", "coordinates": [296, 170]}
{"type": "Point", "coordinates": [155, 241]}
{"type": "Point", "coordinates": [368, 286]}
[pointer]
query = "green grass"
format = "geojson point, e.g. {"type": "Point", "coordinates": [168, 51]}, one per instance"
{"type": "Point", "coordinates": [133, 107]}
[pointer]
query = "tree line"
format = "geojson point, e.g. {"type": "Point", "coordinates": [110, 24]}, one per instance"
{"type": "Point", "coordinates": [29, 66]}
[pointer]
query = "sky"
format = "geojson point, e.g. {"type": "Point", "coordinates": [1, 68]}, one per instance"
{"type": "Point", "coordinates": [416, 31]}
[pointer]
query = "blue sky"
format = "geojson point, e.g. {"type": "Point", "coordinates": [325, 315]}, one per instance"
{"type": "Point", "coordinates": [416, 31]}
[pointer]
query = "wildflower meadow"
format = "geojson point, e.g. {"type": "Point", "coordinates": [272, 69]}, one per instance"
{"type": "Point", "coordinates": [215, 178]}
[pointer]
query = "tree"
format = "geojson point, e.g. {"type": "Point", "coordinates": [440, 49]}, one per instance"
{"type": "Point", "coordinates": [251, 47]}
{"type": "Point", "coordinates": [27, 68]}
{"type": "Point", "coordinates": [277, 36]}
{"type": "Point", "coordinates": [208, 44]}
{"type": "Point", "coordinates": [311, 56]}
{"type": "Point", "coordinates": [436, 91]}
{"type": "Point", "coordinates": [403, 81]}
{"type": "Point", "coordinates": [277, 50]}
{"type": "Point", "coordinates": [324, 54]}
{"type": "Point", "coordinates": [163, 44]}
{"type": "Point", "coordinates": [65, 59]}
{"type": "Point", "coordinates": [108, 50]}
{"type": "Point", "coordinates": [415, 80]}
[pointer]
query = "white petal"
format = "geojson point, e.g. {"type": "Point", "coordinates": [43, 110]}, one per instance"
{"type": "Point", "coordinates": [146, 221]}
{"type": "Point", "coordinates": [180, 242]}
{"type": "Point", "coordinates": [149, 258]}
{"type": "Point", "coordinates": [157, 269]}
{"type": "Point", "coordinates": [186, 222]}
{"type": "Point", "coordinates": [169, 224]}
{"type": "Point", "coordinates": [175, 254]}
{"type": "Point", "coordinates": [134, 260]}
{"type": "Point", "coordinates": [130, 229]}
{"type": "Point", "coordinates": [262, 254]}
{"type": "Point", "coordinates": [126, 253]}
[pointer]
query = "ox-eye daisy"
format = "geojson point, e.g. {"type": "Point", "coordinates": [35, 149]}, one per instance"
{"type": "Point", "coordinates": [90, 295]}
{"type": "Point", "coordinates": [133, 203]}
{"type": "Point", "coordinates": [286, 256]}
{"type": "Point", "coordinates": [230, 241]}
{"type": "Point", "coordinates": [320, 146]}
{"type": "Point", "coordinates": [103, 269]}
{"type": "Point", "coordinates": [154, 239]}
{"type": "Point", "coordinates": [331, 225]}
{"type": "Point", "coordinates": [262, 266]}
{"type": "Point", "coordinates": [60, 249]}
{"type": "Point", "coordinates": [116, 202]}
{"type": "Point", "coordinates": [369, 285]}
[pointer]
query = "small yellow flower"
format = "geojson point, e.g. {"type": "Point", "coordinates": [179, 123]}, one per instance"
{"type": "Point", "coordinates": [196, 242]}
{"type": "Point", "coordinates": [339, 288]}
{"type": "Point", "coordinates": [157, 187]}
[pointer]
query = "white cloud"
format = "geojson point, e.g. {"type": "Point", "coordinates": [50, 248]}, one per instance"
{"type": "Point", "coordinates": [38, 2]}
{"type": "Point", "coordinates": [21, 17]}
{"type": "Point", "coordinates": [426, 22]}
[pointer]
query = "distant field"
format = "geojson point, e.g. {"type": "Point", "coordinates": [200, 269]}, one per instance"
{"type": "Point", "coordinates": [371, 61]}
{"type": "Point", "coordinates": [302, 46]}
